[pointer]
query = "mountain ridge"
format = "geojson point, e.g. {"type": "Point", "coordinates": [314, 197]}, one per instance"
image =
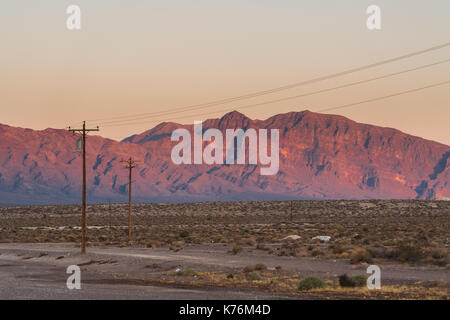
{"type": "Point", "coordinates": [322, 156]}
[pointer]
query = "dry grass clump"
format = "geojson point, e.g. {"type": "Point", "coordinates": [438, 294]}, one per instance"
{"type": "Point", "coordinates": [236, 249]}
{"type": "Point", "coordinates": [256, 267]}
{"type": "Point", "coordinates": [337, 248]}
{"type": "Point", "coordinates": [360, 255]}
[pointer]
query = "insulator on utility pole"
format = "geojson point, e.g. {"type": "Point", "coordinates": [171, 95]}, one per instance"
{"type": "Point", "coordinates": [79, 143]}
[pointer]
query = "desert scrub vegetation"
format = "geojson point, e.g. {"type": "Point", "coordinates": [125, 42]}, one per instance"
{"type": "Point", "coordinates": [408, 253]}
{"type": "Point", "coordinates": [359, 255]}
{"type": "Point", "coordinates": [384, 228]}
{"type": "Point", "coordinates": [352, 282]}
{"type": "Point", "coordinates": [289, 284]}
{"type": "Point", "coordinates": [186, 273]}
{"type": "Point", "coordinates": [256, 267]}
{"type": "Point", "coordinates": [253, 275]}
{"type": "Point", "coordinates": [311, 282]}
{"type": "Point", "coordinates": [236, 249]}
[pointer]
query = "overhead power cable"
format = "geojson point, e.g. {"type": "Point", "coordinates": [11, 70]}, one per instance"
{"type": "Point", "coordinates": [321, 110]}
{"type": "Point", "coordinates": [281, 88]}
{"type": "Point", "coordinates": [300, 95]}
{"type": "Point", "coordinates": [385, 97]}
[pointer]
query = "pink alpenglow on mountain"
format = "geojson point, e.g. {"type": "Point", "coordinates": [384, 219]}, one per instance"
{"type": "Point", "coordinates": [320, 157]}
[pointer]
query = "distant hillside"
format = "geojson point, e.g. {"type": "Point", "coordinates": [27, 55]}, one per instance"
{"type": "Point", "coordinates": [321, 157]}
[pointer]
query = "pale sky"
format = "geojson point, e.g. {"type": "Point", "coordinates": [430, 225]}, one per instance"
{"type": "Point", "coordinates": [141, 56]}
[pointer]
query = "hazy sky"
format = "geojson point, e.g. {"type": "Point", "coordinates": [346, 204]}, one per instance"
{"type": "Point", "coordinates": [140, 56]}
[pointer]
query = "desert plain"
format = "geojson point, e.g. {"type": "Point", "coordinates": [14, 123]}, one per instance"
{"type": "Point", "coordinates": [229, 250]}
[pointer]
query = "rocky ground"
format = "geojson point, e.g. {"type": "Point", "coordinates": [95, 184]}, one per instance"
{"type": "Point", "coordinates": [264, 247]}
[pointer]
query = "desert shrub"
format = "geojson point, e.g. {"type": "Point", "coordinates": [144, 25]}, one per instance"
{"type": "Point", "coordinates": [376, 252]}
{"type": "Point", "coordinates": [360, 280]}
{"type": "Point", "coordinates": [184, 234]}
{"type": "Point", "coordinates": [250, 241]}
{"type": "Point", "coordinates": [345, 281]}
{"type": "Point", "coordinates": [311, 282]}
{"type": "Point", "coordinates": [343, 255]}
{"type": "Point", "coordinates": [316, 252]}
{"type": "Point", "coordinates": [274, 283]}
{"type": "Point", "coordinates": [438, 254]}
{"type": "Point", "coordinates": [154, 244]}
{"type": "Point", "coordinates": [409, 253]}
{"type": "Point", "coordinates": [186, 273]}
{"type": "Point", "coordinates": [360, 255]}
{"type": "Point", "coordinates": [257, 267]}
{"type": "Point", "coordinates": [260, 267]}
{"type": "Point", "coordinates": [356, 281]}
{"type": "Point", "coordinates": [175, 247]}
{"type": "Point", "coordinates": [248, 269]}
{"type": "Point", "coordinates": [236, 249]}
{"type": "Point", "coordinates": [230, 276]}
{"type": "Point", "coordinates": [337, 248]}
{"type": "Point", "coordinates": [262, 246]}
{"type": "Point", "coordinates": [254, 275]}
{"type": "Point", "coordinates": [389, 254]}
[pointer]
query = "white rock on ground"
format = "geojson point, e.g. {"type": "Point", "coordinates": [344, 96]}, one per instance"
{"type": "Point", "coordinates": [322, 238]}
{"type": "Point", "coordinates": [292, 237]}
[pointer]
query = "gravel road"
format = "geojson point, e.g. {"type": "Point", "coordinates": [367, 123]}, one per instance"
{"type": "Point", "coordinates": [38, 271]}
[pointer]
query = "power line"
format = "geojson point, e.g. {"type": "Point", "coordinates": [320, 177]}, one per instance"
{"type": "Point", "coordinates": [327, 109]}
{"type": "Point", "coordinates": [281, 88]}
{"type": "Point", "coordinates": [304, 94]}
{"type": "Point", "coordinates": [385, 97]}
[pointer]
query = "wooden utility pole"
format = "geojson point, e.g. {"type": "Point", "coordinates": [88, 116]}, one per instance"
{"type": "Point", "coordinates": [130, 166]}
{"type": "Point", "coordinates": [83, 132]}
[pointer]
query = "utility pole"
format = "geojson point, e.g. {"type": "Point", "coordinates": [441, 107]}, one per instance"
{"type": "Point", "coordinates": [130, 166]}
{"type": "Point", "coordinates": [83, 132]}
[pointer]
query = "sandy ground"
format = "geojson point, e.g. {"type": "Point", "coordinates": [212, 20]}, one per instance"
{"type": "Point", "coordinates": [38, 271]}
{"type": "Point", "coordinates": [233, 250]}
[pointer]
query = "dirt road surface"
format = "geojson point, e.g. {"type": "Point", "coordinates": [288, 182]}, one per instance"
{"type": "Point", "coordinates": [38, 271]}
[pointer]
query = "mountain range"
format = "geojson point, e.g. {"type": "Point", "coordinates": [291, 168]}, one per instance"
{"type": "Point", "coordinates": [321, 157]}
